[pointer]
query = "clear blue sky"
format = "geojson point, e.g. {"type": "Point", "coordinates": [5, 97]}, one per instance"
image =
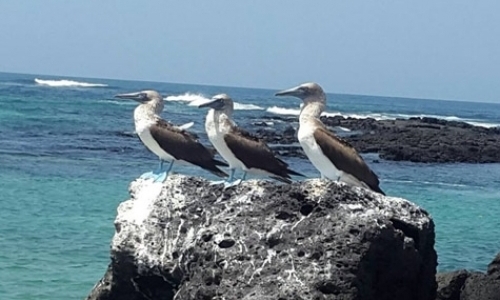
{"type": "Point", "coordinates": [425, 49]}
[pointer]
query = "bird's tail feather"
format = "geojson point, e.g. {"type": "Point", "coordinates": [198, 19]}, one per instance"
{"type": "Point", "coordinates": [282, 179]}
{"type": "Point", "coordinates": [292, 172]}
{"type": "Point", "coordinates": [377, 189]}
{"type": "Point", "coordinates": [288, 170]}
{"type": "Point", "coordinates": [216, 171]}
{"type": "Point", "coordinates": [220, 163]}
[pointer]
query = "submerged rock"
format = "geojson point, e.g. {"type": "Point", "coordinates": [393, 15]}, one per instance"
{"type": "Point", "coordinates": [187, 239]}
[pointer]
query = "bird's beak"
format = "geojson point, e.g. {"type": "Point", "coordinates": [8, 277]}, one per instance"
{"type": "Point", "coordinates": [290, 92]}
{"type": "Point", "coordinates": [139, 96]}
{"type": "Point", "coordinates": [212, 103]}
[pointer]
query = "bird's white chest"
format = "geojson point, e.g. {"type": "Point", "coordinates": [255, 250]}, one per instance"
{"type": "Point", "coordinates": [315, 154]}
{"type": "Point", "coordinates": [216, 129]}
{"type": "Point", "coordinates": [142, 130]}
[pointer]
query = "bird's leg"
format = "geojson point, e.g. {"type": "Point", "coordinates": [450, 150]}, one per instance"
{"type": "Point", "coordinates": [160, 167]}
{"type": "Point", "coordinates": [231, 177]}
{"type": "Point", "coordinates": [164, 174]}
{"type": "Point", "coordinates": [154, 173]}
{"type": "Point", "coordinates": [170, 167]}
{"type": "Point", "coordinates": [236, 182]}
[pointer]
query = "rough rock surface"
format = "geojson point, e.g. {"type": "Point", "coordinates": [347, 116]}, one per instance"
{"type": "Point", "coordinates": [414, 139]}
{"type": "Point", "coordinates": [494, 267]}
{"type": "Point", "coordinates": [479, 286]}
{"type": "Point", "coordinates": [187, 239]}
{"type": "Point", "coordinates": [464, 285]}
{"type": "Point", "coordinates": [450, 284]}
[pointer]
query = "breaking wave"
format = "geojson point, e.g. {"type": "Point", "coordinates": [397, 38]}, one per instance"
{"type": "Point", "coordinates": [67, 83]}
{"type": "Point", "coordinates": [187, 97]}
{"type": "Point", "coordinates": [482, 124]}
{"type": "Point", "coordinates": [243, 106]}
{"type": "Point", "coordinates": [193, 99]}
{"type": "Point", "coordinates": [381, 116]}
{"type": "Point", "coordinates": [283, 111]}
{"type": "Point", "coordinates": [295, 111]}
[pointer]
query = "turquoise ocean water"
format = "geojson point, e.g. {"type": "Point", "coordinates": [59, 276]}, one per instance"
{"type": "Point", "coordinates": [67, 157]}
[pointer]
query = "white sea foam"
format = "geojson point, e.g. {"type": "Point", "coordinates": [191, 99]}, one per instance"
{"type": "Point", "coordinates": [296, 111]}
{"type": "Point", "coordinates": [481, 124]}
{"type": "Point", "coordinates": [244, 106]}
{"type": "Point", "coordinates": [186, 97]}
{"type": "Point", "coordinates": [197, 99]}
{"type": "Point", "coordinates": [344, 129]}
{"type": "Point", "coordinates": [283, 111]}
{"type": "Point", "coordinates": [67, 83]}
{"type": "Point", "coordinates": [381, 116]}
{"type": "Point", "coordinates": [331, 114]}
{"type": "Point", "coordinates": [451, 118]}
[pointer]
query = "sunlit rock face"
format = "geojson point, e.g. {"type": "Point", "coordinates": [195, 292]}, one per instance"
{"type": "Point", "coordinates": [315, 239]}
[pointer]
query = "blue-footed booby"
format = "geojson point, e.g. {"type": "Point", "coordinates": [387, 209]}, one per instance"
{"type": "Point", "coordinates": [238, 147]}
{"type": "Point", "coordinates": [170, 143]}
{"type": "Point", "coordinates": [333, 157]}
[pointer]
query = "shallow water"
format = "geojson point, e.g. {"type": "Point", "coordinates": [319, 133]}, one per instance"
{"type": "Point", "coordinates": [66, 162]}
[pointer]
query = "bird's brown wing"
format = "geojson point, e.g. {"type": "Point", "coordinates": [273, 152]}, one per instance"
{"type": "Point", "coordinates": [254, 153]}
{"type": "Point", "coordinates": [167, 124]}
{"type": "Point", "coordinates": [345, 158]}
{"type": "Point", "coordinates": [183, 146]}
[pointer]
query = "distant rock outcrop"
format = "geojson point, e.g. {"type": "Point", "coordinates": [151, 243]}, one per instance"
{"type": "Point", "coordinates": [187, 239]}
{"type": "Point", "coordinates": [414, 139]}
{"type": "Point", "coordinates": [464, 285]}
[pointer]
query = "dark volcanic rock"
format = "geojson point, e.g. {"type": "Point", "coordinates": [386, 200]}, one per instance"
{"type": "Point", "coordinates": [415, 139]}
{"type": "Point", "coordinates": [450, 284]}
{"type": "Point", "coordinates": [431, 140]}
{"type": "Point", "coordinates": [102, 289]}
{"type": "Point", "coordinates": [479, 286]}
{"type": "Point", "coordinates": [187, 239]}
{"type": "Point", "coordinates": [464, 285]}
{"type": "Point", "coordinates": [494, 267]}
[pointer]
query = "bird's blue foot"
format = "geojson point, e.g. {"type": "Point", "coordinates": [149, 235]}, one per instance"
{"type": "Point", "coordinates": [152, 174]}
{"type": "Point", "coordinates": [217, 182]}
{"type": "Point", "coordinates": [148, 175]}
{"type": "Point", "coordinates": [160, 177]}
{"type": "Point", "coordinates": [227, 184]}
{"type": "Point", "coordinates": [231, 184]}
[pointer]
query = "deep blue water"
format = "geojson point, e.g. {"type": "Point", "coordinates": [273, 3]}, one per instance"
{"type": "Point", "coordinates": [66, 161]}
